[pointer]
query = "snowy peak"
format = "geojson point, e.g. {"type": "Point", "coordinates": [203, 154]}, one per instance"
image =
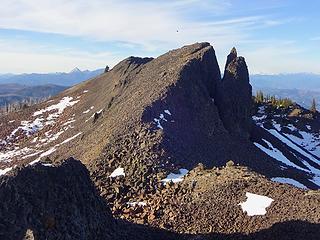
{"type": "Point", "coordinates": [75, 70]}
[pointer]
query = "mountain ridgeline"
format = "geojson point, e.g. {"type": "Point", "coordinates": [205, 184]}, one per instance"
{"type": "Point", "coordinates": [172, 148]}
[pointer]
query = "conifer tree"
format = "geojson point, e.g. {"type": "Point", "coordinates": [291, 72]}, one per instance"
{"type": "Point", "coordinates": [313, 106]}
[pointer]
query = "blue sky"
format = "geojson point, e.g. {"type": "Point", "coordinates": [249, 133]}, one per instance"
{"type": "Point", "coordinates": [49, 36]}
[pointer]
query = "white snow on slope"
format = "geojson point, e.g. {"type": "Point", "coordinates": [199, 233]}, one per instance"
{"type": "Point", "coordinates": [45, 154]}
{"type": "Point", "coordinates": [70, 120]}
{"type": "Point", "coordinates": [29, 127]}
{"type": "Point", "coordinates": [53, 149]}
{"type": "Point", "coordinates": [175, 177]}
{"type": "Point", "coordinates": [69, 139]}
{"type": "Point", "coordinates": [88, 110]}
{"type": "Point", "coordinates": [7, 156]}
{"type": "Point", "coordinates": [255, 204]}
{"type": "Point", "coordinates": [167, 112]}
{"type": "Point", "coordinates": [118, 172]}
{"type": "Point", "coordinates": [312, 169]}
{"type": "Point", "coordinates": [316, 180]}
{"type": "Point", "coordinates": [47, 164]}
{"type": "Point", "coordinates": [292, 145]}
{"type": "Point", "coordinates": [100, 111]}
{"type": "Point", "coordinates": [133, 204]}
{"type": "Point", "coordinates": [308, 141]}
{"type": "Point", "coordinates": [4, 171]}
{"type": "Point", "coordinates": [63, 104]}
{"type": "Point", "coordinates": [277, 154]}
{"type": "Point", "coordinates": [289, 181]}
{"type": "Point", "coordinates": [255, 118]}
{"type": "Point", "coordinates": [157, 121]}
{"type": "Point", "coordinates": [161, 118]}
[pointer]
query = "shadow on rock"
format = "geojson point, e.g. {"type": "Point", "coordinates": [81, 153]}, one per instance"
{"type": "Point", "coordinates": [61, 202]}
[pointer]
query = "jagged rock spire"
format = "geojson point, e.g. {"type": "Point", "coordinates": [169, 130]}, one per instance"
{"type": "Point", "coordinates": [234, 96]}
{"type": "Point", "coordinates": [232, 55]}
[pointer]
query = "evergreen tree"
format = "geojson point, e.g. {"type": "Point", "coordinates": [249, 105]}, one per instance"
{"type": "Point", "coordinates": [313, 106]}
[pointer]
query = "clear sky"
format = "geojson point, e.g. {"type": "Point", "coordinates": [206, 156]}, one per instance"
{"type": "Point", "coordinates": [275, 36]}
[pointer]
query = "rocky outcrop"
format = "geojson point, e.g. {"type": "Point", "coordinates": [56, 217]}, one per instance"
{"type": "Point", "coordinates": [234, 96]}
{"type": "Point", "coordinates": [46, 202]}
{"type": "Point", "coordinates": [149, 117]}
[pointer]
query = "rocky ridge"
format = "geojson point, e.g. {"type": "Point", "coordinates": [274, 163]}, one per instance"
{"type": "Point", "coordinates": [151, 117]}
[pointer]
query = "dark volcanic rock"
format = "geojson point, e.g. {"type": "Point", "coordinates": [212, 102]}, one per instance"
{"type": "Point", "coordinates": [53, 203]}
{"type": "Point", "coordinates": [233, 55]}
{"type": "Point", "coordinates": [150, 117]}
{"type": "Point", "coordinates": [234, 97]}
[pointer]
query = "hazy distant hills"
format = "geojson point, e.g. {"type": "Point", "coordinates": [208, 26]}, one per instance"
{"type": "Point", "coordinates": [62, 79]}
{"type": "Point", "coordinates": [17, 88]}
{"type": "Point", "coordinates": [11, 93]}
{"type": "Point", "coordinates": [303, 81]}
{"type": "Point", "coordinates": [300, 87]}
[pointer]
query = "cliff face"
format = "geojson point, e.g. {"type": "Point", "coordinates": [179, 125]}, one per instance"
{"type": "Point", "coordinates": [234, 97]}
{"type": "Point", "coordinates": [46, 202]}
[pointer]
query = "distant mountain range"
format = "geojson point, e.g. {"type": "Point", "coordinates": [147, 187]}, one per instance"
{"type": "Point", "coordinates": [20, 87]}
{"type": "Point", "coordinates": [303, 81]}
{"type": "Point", "coordinates": [14, 93]}
{"type": "Point", "coordinates": [300, 87]}
{"type": "Point", "coordinates": [63, 79]}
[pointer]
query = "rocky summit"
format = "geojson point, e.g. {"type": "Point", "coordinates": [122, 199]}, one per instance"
{"type": "Point", "coordinates": [169, 149]}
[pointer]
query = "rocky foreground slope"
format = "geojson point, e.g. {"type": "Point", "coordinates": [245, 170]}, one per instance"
{"type": "Point", "coordinates": [48, 201]}
{"type": "Point", "coordinates": [149, 121]}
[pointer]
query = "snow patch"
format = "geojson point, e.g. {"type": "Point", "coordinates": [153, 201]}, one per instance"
{"type": "Point", "coordinates": [63, 104]}
{"type": "Point", "coordinates": [100, 111]}
{"type": "Point", "coordinates": [140, 204]}
{"type": "Point", "coordinates": [167, 112]}
{"type": "Point", "coordinates": [255, 204]}
{"type": "Point", "coordinates": [7, 156]}
{"type": "Point", "coordinates": [29, 127]}
{"type": "Point", "coordinates": [292, 145]}
{"type": "Point", "coordinates": [70, 139]}
{"type": "Point", "coordinates": [308, 141]}
{"type": "Point", "coordinates": [162, 118]}
{"type": "Point", "coordinates": [277, 154]}
{"type": "Point", "coordinates": [47, 153]}
{"type": "Point", "coordinates": [255, 118]}
{"type": "Point", "coordinates": [175, 177]}
{"type": "Point", "coordinates": [316, 180]}
{"type": "Point", "coordinates": [157, 121]}
{"type": "Point", "coordinates": [47, 165]}
{"type": "Point", "coordinates": [4, 171]}
{"type": "Point", "coordinates": [53, 149]}
{"type": "Point", "coordinates": [118, 172]}
{"type": "Point", "coordinates": [71, 120]}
